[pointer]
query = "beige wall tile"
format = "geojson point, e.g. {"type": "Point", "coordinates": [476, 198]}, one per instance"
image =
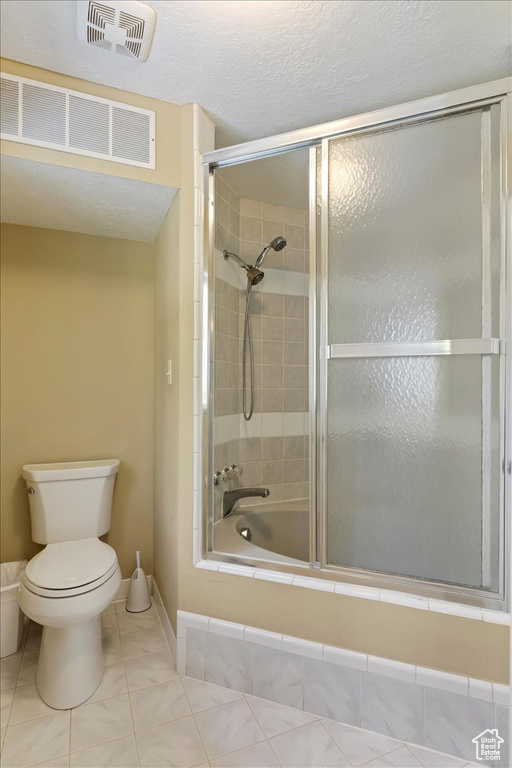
{"type": "Point", "coordinates": [273, 260]}
{"type": "Point", "coordinates": [294, 236]}
{"type": "Point", "coordinates": [221, 293]}
{"type": "Point", "coordinates": [272, 376]}
{"type": "Point", "coordinates": [273, 328]}
{"type": "Point", "coordinates": [221, 320]}
{"type": "Point", "coordinates": [294, 353]}
{"type": "Point", "coordinates": [272, 400]}
{"type": "Point", "coordinates": [222, 212]}
{"type": "Point", "coordinates": [294, 260]}
{"type": "Point", "coordinates": [294, 400]}
{"type": "Point", "coordinates": [293, 470]}
{"type": "Point", "coordinates": [294, 307]}
{"type": "Point", "coordinates": [251, 473]}
{"type": "Point", "coordinates": [272, 212]}
{"type": "Point", "coordinates": [249, 251]}
{"type": "Point", "coordinates": [221, 375]}
{"type": "Point", "coordinates": [272, 305]}
{"type": "Point", "coordinates": [234, 222]}
{"type": "Point", "coordinates": [271, 230]}
{"type": "Point", "coordinates": [250, 449]}
{"type": "Point", "coordinates": [295, 216]}
{"type": "Point", "coordinates": [272, 472]}
{"type": "Point", "coordinates": [250, 208]}
{"type": "Point", "coordinates": [221, 237]}
{"type": "Point", "coordinates": [293, 377]}
{"type": "Point", "coordinates": [293, 447]}
{"type": "Point", "coordinates": [293, 330]}
{"type": "Point", "coordinates": [250, 229]}
{"type": "Point", "coordinates": [273, 351]}
{"type": "Point", "coordinates": [221, 347]}
{"type": "Point", "coordinates": [271, 448]}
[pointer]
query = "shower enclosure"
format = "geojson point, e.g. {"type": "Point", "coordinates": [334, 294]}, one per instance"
{"type": "Point", "coordinates": [407, 316]}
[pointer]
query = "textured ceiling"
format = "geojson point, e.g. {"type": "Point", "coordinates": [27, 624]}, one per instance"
{"type": "Point", "coordinates": [41, 195]}
{"type": "Point", "coordinates": [260, 68]}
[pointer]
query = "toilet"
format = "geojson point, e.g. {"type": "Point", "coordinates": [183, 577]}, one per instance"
{"type": "Point", "coordinates": [76, 576]}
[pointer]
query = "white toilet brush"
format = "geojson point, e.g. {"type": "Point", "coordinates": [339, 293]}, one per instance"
{"type": "Point", "coordinates": [138, 595]}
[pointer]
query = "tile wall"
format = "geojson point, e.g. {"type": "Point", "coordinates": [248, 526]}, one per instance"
{"type": "Point", "coordinates": [438, 710]}
{"type": "Point", "coordinates": [272, 448]}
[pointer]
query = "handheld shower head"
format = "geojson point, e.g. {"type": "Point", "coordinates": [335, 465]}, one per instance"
{"type": "Point", "coordinates": [278, 243]}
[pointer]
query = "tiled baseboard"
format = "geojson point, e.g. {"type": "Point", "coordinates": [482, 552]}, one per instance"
{"type": "Point", "coordinates": [425, 706]}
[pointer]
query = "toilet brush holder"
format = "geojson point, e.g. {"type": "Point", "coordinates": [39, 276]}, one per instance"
{"type": "Point", "coordinates": [138, 594]}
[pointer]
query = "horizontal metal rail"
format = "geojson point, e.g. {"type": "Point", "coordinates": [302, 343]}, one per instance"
{"type": "Point", "coordinates": [485, 93]}
{"type": "Point", "coordinates": [416, 348]}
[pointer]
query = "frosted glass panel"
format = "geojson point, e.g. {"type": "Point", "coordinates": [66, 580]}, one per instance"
{"type": "Point", "coordinates": [405, 468]}
{"type": "Point", "coordinates": [413, 443]}
{"type": "Point", "coordinates": [408, 230]}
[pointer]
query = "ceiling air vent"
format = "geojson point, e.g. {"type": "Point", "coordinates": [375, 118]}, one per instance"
{"type": "Point", "coordinates": [123, 26]}
{"type": "Point", "coordinates": [57, 118]}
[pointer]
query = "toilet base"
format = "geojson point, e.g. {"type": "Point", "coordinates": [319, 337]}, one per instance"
{"type": "Point", "coordinates": [71, 663]}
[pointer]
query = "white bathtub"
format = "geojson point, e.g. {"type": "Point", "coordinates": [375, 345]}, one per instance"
{"type": "Point", "coordinates": [279, 532]}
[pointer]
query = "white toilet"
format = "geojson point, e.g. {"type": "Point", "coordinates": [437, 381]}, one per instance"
{"type": "Point", "coordinates": [67, 585]}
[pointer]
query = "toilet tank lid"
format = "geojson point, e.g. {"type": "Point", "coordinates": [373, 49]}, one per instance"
{"type": "Point", "coordinates": [69, 470]}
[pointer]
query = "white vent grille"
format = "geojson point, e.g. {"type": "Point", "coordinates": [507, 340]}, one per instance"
{"type": "Point", "coordinates": [119, 26]}
{"type": "Point", "coordinates": [10, 108]}
{"type": "Point", "coordinates": [57, 118]}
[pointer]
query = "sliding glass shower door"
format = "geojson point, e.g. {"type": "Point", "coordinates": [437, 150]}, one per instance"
{"type": "Point", "coordinates": [411, 375]}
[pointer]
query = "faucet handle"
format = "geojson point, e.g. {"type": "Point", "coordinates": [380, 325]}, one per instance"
{"type": "Point", "coordinates": [227, 473]}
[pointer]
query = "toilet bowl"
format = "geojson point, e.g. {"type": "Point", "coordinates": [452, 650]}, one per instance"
{"type": "Point", "coordinates": [66, 587]}
{"type": "Point", "coordinates": [71, 664]}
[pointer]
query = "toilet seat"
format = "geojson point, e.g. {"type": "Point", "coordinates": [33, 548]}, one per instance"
{"type": "Point", "coordinates": [70, 568]}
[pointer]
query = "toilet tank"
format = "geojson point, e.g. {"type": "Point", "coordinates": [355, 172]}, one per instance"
{"type": "Point", "coordinates": [71, 500]}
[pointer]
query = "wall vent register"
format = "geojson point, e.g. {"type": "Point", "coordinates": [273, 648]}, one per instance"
{"type": "Point", "coordinates": [33, 112]}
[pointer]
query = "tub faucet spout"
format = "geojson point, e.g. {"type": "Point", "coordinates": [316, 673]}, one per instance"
{"type": "Point", "coordinates": [231, 497]}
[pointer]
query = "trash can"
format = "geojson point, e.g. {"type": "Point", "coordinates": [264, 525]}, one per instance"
{"type": "Point", "coordinates": [11, 615]}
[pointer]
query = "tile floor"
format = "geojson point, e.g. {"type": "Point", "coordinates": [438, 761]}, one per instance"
{"type": "Point", "coordinates": [145, 714]}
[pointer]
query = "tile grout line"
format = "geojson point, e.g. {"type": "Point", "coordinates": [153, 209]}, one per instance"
{"type": "Point", "coordinates": [335, 742]}
{"type": "Point", "coordinates": [195, 721]}
{"type": "Point", "coordinates": [288, 730]}
{"type": "Point", "coordinates": [131, 714]}
{"type": "Point", "coordinates": [234, 751]}
{"type": "Point", "coordinates": [384, 754]}
{"type": "Point", "coordinates": [418, 758]}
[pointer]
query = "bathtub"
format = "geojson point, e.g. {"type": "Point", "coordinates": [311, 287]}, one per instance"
{"type": "Point", "coordinates": [273, 531]}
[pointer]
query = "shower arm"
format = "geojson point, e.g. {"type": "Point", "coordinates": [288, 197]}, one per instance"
{"type": "Point", "coordinates": [228, 255]}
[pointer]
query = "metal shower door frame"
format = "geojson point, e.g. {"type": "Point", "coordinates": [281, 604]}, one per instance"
{"type": "Point", "coordinates": [317, 138]}
{"type": "Point", "coordinates": [484, 347]}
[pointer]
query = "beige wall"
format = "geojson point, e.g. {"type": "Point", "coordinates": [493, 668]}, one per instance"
{"type": "Point", "coordinates": [77, 374]}
{"type": "Point", "coordinates": [167, 131]}
{"type": "Point", "coordinates": [167, 406]}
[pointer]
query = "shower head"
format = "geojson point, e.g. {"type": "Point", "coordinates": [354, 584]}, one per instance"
{"type": "Point", "coordinates": [254, 275]}
{"type": "Point", "coordinates": [278, 243]}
